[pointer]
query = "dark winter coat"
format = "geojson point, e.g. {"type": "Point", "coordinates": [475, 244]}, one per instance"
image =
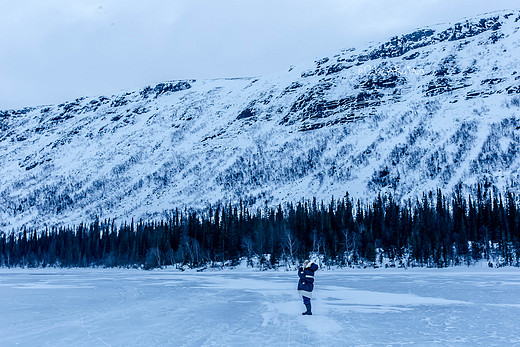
{"type": "Point", "coordinates": [306, 281]}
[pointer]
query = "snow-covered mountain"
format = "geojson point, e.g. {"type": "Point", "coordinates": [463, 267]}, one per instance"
{"type": "Point", "coordinates": [433, 108]}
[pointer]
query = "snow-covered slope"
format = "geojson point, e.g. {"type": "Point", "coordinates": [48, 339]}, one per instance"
{"type": "Point", "coordinates": [433, 108]}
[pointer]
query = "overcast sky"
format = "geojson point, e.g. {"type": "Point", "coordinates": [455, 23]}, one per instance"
{"type": "Point", "coordinates": [56, 50]}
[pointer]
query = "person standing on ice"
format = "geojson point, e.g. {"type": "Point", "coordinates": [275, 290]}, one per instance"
{"type": "Point", "coordinates": [306, 284]}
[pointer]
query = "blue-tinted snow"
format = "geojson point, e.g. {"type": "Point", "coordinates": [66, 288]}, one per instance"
{"type": "Point", "coordinates": [114, 307]}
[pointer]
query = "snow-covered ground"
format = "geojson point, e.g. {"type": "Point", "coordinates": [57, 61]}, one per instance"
{"type": "Point", "coordinates": [116, 307]}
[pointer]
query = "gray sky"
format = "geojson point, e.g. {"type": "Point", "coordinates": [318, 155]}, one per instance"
{"type": "Point", "coordinates": [57, 50]}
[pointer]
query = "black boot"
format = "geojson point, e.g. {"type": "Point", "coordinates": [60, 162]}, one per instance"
{"type": "Point", "coordinates": [308, 312]}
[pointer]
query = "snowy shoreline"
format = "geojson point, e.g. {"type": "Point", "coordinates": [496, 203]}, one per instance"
{"type": "Point", "coordinates": [474, 268]}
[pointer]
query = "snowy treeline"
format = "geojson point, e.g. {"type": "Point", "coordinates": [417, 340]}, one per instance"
{"type": "Point", "coordinates": [437, 230]}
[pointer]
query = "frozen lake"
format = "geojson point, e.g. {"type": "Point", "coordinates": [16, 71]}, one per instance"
{"type": "Point", "coordinates": [116, 307]}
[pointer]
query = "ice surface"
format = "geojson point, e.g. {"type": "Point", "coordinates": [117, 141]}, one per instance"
{"type": "Point", "coordinates": [114, 307]}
